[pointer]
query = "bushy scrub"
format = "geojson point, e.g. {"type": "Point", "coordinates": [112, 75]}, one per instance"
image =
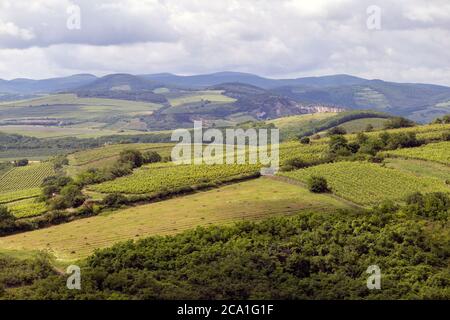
{"type": "Point", "coordinates": [317, 184]}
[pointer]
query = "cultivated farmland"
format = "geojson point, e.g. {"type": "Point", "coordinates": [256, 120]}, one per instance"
{"type": "Point", "coordinates": [7, 197]}
{"type": "Point", "coordinates": [30, 176]}
{"type": "Point", "coordinates": [438, 152]}
{"type": "Point", "coordinates": [201, 96]}
{"type": "Point", "coordinates": [27, 208]}
{"type": "Point", "coordinates": [168, 177]}
{"type": "Point", "coordinates": [250, 200]}
{"type": "Point", "coordinates": [367, 183]}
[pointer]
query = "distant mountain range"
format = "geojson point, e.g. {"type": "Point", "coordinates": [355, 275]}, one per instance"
{"type": "Point", "coordinates": [420, 102]}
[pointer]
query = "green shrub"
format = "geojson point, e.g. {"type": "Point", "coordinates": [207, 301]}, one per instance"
{"type": "Point", "coordinates": [21, 163]}
{"type": "Point", "coordinates": [446, 119]}
{"type": "Point", "coordinates": [305, 140]}
{"type": "Point", "coordinates": [398, 122]}
{"type": "Point", "coordinates": [337, 144]}
{"type": "Point", "coordinates": [434, 205]}
{"type": "Point", "coordinates": [151, 157]}
{"type": "Point", "coordinates": [114, 200]}
{"type": "Point", "coordinates": [317, 184]}
{"type": "Point", "coordinates": [295, 163]}
{"type": "Point", "coordinates": [132, 156]}
{"type": "Point", "coordinates": [336, 131]}
{"type": "Point", "coordinates": [361, 138]}
{"type": "Point", "coordinates": [353, 147]}
{"type": "Point", "coordinates": [5, 215]}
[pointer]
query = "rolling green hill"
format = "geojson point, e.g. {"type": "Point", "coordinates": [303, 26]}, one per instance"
{"type": "Point", "coordinates": [307, 125]}
{"type": "Point", "coordinates": [298, 240]}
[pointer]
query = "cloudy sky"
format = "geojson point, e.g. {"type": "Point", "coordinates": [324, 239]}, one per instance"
{"type": "Point", "coordinates": [274, 38]}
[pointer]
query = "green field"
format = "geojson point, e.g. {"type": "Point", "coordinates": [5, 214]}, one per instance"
{"type": "Point", "coordinates": [60, 132]}
{"type": "Point", "coordinates": [69, 107]}
{"type": "Point", "coordinates": [250, 200]}
{"type": "Point", "coordinates": [360, 125]}
{"type": "Point", "coordinates": [108, 155]}
{"type": "Point", "coordinates": [27, 208]}
{"type": "Point", "coordinates": [30, 176]}
{"type": "Point", "coordinates": [7, 197]}
{"type": "Point", "coordinates": [367, 183]}
{"type": "Point", "coordinates": [299, 120]}
{"type": "Point", "coordinates": [72, 99]}
{"type": "Point", "coordinates": [201, 96]}
{"type": "Point", "coordinates": [108, 151]}
{"type": "Point", "coordinates": [157, 178]}
{"type": "Point", "coordinates": [438, 152]}
{"type": "Point", "coordinates": [19, 188]}
{"type": "Point", "coordinates": [420, 167]}
{"type": "Point", "coordinates": [307, 152]}
{"type": "Point", "coordinates": [292, 126]}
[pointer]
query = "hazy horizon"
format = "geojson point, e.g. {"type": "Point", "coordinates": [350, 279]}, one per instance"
{"type": "Point", "coordinates": [217, 72]}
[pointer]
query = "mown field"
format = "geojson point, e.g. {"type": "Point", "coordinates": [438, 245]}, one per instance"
{"type": "Point", "coordinates": [367, 183]}
{"type": "Point", "coordinates": [250, 200]}
{"type": "Point", "coordinates": [438, 152]}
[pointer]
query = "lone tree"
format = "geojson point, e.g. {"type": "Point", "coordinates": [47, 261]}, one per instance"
{"type": "Point", "coordinates": [305, 140]}
{"type": "Point", "coordinates": [5, 215]}
{"type": "Point", "coordinates": [151, 157]}
{"type": "Point", "coordinates": [317, 184]}
{"type": "Point", "coordinates": [21, 163]}
{"type": "Point", "coordinates": [132, 156]}
{"type": "Point", "coordinates": [336, 131]}
{"type": "Point", "coordinates": [398, 122]}
{"type": "Point", "coordinates": [369, 128]}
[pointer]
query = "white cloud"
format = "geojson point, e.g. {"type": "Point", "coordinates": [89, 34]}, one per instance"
{"type": "Point", "coordinates": [280, 38]}
{"type": "Point", "coordinates": [9, 29]}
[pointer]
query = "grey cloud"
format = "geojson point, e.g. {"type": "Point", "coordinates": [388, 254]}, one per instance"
{"type": "Point", "coordinates": [269, 37]}
{"type": "Point", "coordinates": [102, 23]}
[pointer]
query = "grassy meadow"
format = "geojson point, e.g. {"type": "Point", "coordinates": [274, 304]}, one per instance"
{"type": "Point", "coordinates": [201, 96]}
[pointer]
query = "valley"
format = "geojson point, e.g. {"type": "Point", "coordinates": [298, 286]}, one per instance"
{"type": "Point", "coordinates": [87, 177]}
